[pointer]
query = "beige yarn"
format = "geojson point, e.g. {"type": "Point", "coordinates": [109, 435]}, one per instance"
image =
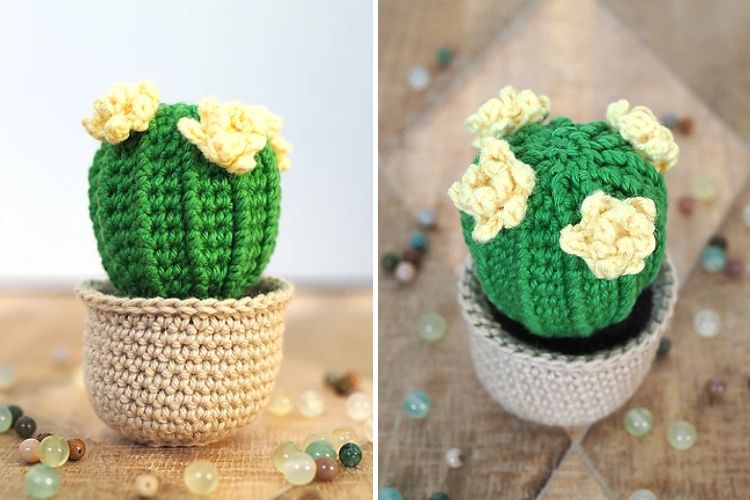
{"type": "Point", "coordinates": [171, 372]}
{"type": "Point", "coordinates": [556, 389]}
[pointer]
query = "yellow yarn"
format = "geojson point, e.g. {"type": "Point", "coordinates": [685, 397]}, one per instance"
{"type": "Point", "coordinates": [232, 133]}
{"type": "Point", "coordinates": [124, 108]}
{"type": "Point", "coordinates": [495, 190]}
{"type": "Point", "coordinates": [642, 130]}
{"type": "Point", "coordinates": [614, 236]}
{"type": "Point", "coordinates": [502, 116]}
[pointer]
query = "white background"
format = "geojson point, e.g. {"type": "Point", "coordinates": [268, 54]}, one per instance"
{"type": "Point", "coordinates": [307, 61]}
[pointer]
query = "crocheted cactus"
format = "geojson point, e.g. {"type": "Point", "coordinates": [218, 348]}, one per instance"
{"type": "Point", "coordinates": [184, 199]}
{"type": "Point", "coordinates": [565, 222]}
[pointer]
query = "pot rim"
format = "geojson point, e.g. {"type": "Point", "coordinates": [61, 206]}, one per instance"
{"type": "Point", "coordinates": [475, 309]}
{"type": "Point", "coordinates": [270, 292]}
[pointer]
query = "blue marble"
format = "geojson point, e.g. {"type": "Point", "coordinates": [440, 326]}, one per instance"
{"type": "Point", "coordinates": [417, 404]}
{"type": "Point", "coordinates": [389, 494]}
{"type": "Point", "coordinates": [419, 241]}
{"type": "Point", "coordinates": [713, 259]}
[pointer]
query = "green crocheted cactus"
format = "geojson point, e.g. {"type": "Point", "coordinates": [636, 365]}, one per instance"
{"type": "Point", "coordinates": [170, 223]}
{"type": "Point", "coordinates": [523, 268]}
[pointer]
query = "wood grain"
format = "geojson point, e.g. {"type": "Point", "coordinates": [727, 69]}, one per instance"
{"type": "Point", "coordinates": [409, 34]}
{"type": "Point", "coordinates": [704, 43]}
{"type": "Point", "coordinates": [326, 330]}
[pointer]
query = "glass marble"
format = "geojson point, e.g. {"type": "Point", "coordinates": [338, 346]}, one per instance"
{"type": "Point", "coordinates": [280, 404]}
{"type": "Point", "coordinates": [419, 241]}
{"type": "Point", "coordinates": [642, 495]}
{"type": "Point", "coordinates": [431, 327]}
{"type": "Point", "coordinates": [444, 56]}
{"type": "Point", "coordinates": [320, 449]}
{"type": "Point", "coordinates": [405, 272]}
{"type": "Point", "coordinates": [7, 375]}
{"type": "Point", "coordinates": [25, 427]}
{"type": "Point", "coordinates": [417, 404]}
{"type": "Point", "coordinates": [41, 482]}
{"type": "Point", "coordinates": [454, 458]}
{"type": "Point", "coordinates": [713, 259]}
{"type": "Point", "coordinates": [734, 268]}
{"type": "Point", "coordinates": [77, 449]}
{"type": "Point", "coordinates": [681, 435]}
{"type": "Point", "coordinates": [639, 421]}
{"type": "Point", "coordinates": [315, 436]}
{"type": "Point", "coordinates": [16, 411]}
{"type": "Point", "coordinates": [686, 204]}
{"type": "Point", "coordinates": [390, 261]}
{"type": "Point", "coordinates": [281, 454]}
{"type": "Point", "coordinates": [439, 496]}
{"type": "Point", "coordinates": [389, 494]}
{"type": "Point", "coordinates": [706, 323]}
{"type": "Point", "coordinates": [665, 345]}
{"type": "Point", "coordinates": [342, 435]}
{"type": "Point", "coordinates": [358, 406]}
{"type": "Point", "coordinates": [146, 485]}
{"type": "Point", "coordinates": [311, 404]}
{"type": "Point", "coordinates": [419, 77]}
{"type": "Point", "coordinates": [704, 189]}
{"type": "Point", "coordinates": [201, 477]}
{"type": "Point", "coordinates": [6, 419]}
{"type": "Point", "coordinates": [350, 455]}
{"type": "Point", "coordinates": [54, 451]}
{"type": "Point", "coordinates": [426, 218]}
{"type": "Point", "coordinates": [715, 389]}
{"type": "Point", "coordinates": [300, 469]}
{"type": "Point", "coordinates": [28, 450]}
{"type": "Point", "coordinates": [669, 120]}
{"type": "Point", "coordinates": [326, 469]}
{"type": "Point", "coordinates": [746, 215]}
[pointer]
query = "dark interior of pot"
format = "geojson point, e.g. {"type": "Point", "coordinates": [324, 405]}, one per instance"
{"type": "Point", "coordinates": [606, 338]}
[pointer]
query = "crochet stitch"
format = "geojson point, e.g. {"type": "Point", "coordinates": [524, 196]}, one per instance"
{"type": "Point", "coordinates": [524, 271]}
{"type": "Point", "coordinates": [171, 223]}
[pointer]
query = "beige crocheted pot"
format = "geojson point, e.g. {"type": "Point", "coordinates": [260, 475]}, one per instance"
{"type": "Point", "coordinates": [552, 388]}
{"type": "Point", "coordinates": [171, 372]}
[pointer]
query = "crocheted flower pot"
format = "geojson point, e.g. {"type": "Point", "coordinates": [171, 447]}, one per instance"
{"type": "Point", "coordinates": [552, 388]}
{"type": "Point", "coordinates": [174, 372]}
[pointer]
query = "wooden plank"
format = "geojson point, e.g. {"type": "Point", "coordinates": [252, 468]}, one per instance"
{"type": "Point", "coordinates": [36, 325]}
{"type": "Point", "coordinates": [718, 466]}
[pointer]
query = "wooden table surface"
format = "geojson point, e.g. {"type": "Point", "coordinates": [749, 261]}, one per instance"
{"type": "Point", "coordinates": [583, 56]}
{"type": "Point", "coordinates": [326, 330]}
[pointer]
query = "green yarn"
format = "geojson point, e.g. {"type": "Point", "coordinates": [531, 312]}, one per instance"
{"type": "Point", "coordinates": [523, 270]}
{"type": "Point", "coordinates": [169, 223]}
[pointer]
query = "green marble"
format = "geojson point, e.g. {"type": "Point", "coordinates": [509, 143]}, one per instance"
{"type": "Point", "coordinates": [6, 419]}
{"type": "Point", "coordinates": [320, 449]}
{"type": "Point", "coordinates": [350, 455]}
{"type": "Point", "coordinates": [639, 421]}
{"type": "Point", "coordinates": [54, 451]}
{"type": "Point", "coordinates": [42, 482]}
{"type": "Point", "coordinates": [16, 411]}
{"type": "Point", "coordinates": [681, 435]}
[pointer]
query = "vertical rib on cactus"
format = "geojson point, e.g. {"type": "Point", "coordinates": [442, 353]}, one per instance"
{"type": "Point", "coordinates": [523, 270]}
{"type": "Point", "coordinates": [170, 223]}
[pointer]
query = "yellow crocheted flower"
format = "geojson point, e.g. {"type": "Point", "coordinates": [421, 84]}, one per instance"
{"type": "Point", "coordinates": [502, 116]}
{"type": "Point", "coordinates": [232, 133]}
{"type": "Point", "coordinates": [614, 236]}
{"type": "Point", "coordinates": [124, 108]}
{"type": "Point", "coordinates": [639, 126]}
{"type": "Point", "coordinates": [495, 190]}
